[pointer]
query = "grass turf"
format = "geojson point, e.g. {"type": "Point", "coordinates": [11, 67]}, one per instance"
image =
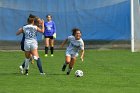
{"type": "Point", "coordinates": [105, 71]}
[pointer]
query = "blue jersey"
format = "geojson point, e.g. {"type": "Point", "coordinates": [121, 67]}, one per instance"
{"type": "Point", "coordinates": [50, 28]}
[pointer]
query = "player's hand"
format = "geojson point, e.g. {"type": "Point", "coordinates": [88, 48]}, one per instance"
{"type": "Point", "coordinates": [42, 22]}
{"type": "Point", "coordinates": [54, 35]}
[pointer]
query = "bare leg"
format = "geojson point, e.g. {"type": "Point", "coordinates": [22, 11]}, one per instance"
{"type": "Point", "coordinates": [67, 61]}
{"type": "Point", "coordinates": [72, 62]}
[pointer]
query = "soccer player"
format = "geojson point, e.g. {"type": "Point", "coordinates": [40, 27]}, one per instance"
{"type": "Point", "coordinates": [49, 34]}
{"type": "Point", "coordinates": [37, 23]}
{"type": "Point", "coordinates": [30, 43]}
{"type": "Point", "coordinates": [75, 44]}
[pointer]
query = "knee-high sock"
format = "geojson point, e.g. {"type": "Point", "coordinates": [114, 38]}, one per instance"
{"type": "Point", "coordinates": [51, 48]}
{"type": "Point", "coordinates": [26, 63]}
{"type": "Point", "coordinates": [23, 64]}
{"type": "Point", "coordinates": [46, 50]}
{"type": "Point", "coordinates": [39, 65]}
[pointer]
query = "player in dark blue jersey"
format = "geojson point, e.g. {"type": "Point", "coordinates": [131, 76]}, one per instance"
{"type": "Point", "coordinates": [49, 34]}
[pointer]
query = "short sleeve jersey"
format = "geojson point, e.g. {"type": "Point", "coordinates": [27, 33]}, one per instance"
{"type": "Point", "coordinates": [30, 32]}
{"type": "Point", "coordinates": [75, 45]}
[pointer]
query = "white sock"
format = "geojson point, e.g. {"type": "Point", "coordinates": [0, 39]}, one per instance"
{"type": "Point", "coordinates": [26, 63]}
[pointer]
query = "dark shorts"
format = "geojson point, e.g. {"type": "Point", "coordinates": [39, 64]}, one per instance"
{"type": "Point", "coordinates": [51, 37]}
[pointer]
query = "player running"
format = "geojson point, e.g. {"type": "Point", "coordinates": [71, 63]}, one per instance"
{"type": "Point", "coordinates": [75, 44]}
{"type": "Point", "coordinates": [30, 43]}
{"type": "Point", "coordinates": [37, 23]}
{"type": "Point", "coordinates": [49, 34]}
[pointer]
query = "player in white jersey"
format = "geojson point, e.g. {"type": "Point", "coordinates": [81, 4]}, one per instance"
{"type": "Point", "coordinates": [75, 44]}
{"type": "Point", "coordinates": [30, 43]}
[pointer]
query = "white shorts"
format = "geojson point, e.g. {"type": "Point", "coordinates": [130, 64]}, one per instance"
{"type": "Point", "coordinates": [71, 54]}
{"type": "Point", "coordinates": [29, 46]}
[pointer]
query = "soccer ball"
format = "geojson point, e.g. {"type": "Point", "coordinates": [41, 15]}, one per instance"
{"type": "Point", "coordinates": [79, 73]}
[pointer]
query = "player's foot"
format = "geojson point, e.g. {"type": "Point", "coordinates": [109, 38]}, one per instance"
{"type": "Point", "coordinates": [51, 55]}
{"type": "Point", "coordinates": [42, 73]}
{"type": "Point", "coordinates": [68, 72]}
{"type": "Point", "coordinates": [21, 69]}
{"type": "Point", "coordinates": [46, 55]}
{"type": "Point", "coordinates": [26, 74]}
{"type": "Point", "coordinates": [64, 67]}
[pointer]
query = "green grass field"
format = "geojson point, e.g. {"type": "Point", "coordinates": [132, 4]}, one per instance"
{"type": "Point", "coordinates": [105, 71]}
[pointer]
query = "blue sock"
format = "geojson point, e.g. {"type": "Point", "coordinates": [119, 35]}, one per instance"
{"type": "Point", "coordinates": [39, 65]}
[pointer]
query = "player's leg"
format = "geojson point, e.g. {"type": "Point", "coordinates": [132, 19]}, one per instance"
{"type": "Point", "coordinates": [38, 60]}
{"type": "Point", "coordinates": [46, 46]}
{"type": "Point", "coordinates": [52, 45]}
{"type": "Point", "coordinates": [72, 62]}
{"type": "Point", "coordinates": [67, 61]}
{"type": "Point", "coordinates": [23, 64]}
{"type": "Point", "coordinates": [27, 59]}
{"type": "Point", "coordinates": [31, 59]}
{"type": "Point", "coordinates": [21, 67]}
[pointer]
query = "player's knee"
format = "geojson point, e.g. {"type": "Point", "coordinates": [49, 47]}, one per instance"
{"type": "Point", "coordinates": [35, 57]}
{"type": "Point", "coordinates": [67, 62]}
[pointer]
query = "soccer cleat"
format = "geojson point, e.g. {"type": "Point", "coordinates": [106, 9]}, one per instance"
{"type": "Point", "coordinates": [51, 55]}
{"type": "Point", "coordinates": [46, 55]}
{"type": "Point", "coordinates": [26, 74]}
{"type": "Point", "coordinates": [21, 69]}
{"type": "Point", "coordinates": [64, 67]}
{"type": "Point", "coordinates": [68, 72]}
{"type": "Point", "coordinates": [42, 73]}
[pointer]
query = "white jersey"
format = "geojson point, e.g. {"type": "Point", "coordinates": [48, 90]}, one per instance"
{"type": "Point", "coordinates": [30, 42]}
{"type": "Point", "coordinates": [30, 32]}
{"type": "Point", "coordinates": [75, 45]}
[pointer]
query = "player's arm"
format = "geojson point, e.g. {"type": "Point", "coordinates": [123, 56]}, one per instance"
{"type": "Point", "coordinates": [20, 30]}
{"type": "Point", "coordinates": [54, 27]}
{"type": "Point", "coordinates": [82, 52]}
{"type": "Point", "coordinates": [82, 55]}
{"type": "Point", "coordinates": [41, 29]}
{"type": "Point", "coordinates": [63, 43]}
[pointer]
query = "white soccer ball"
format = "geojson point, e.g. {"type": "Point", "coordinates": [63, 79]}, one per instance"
{"type": "Point", "coordinates": [79, 73]}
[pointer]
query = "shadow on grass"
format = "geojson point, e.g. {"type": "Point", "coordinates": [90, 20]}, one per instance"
{"type": "Point", "coordinates": [19, 74]}
{"type": "Point", "coordinates": [12, 74]}
{"type": "Point", "coordinates": [57, 74]}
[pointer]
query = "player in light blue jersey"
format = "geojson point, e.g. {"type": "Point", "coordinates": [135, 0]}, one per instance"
{"type": "Point", "coordinates": [75, 44]}
{"type": "Point", "coordinates": [37, 23]}
{"type": "Point", "coordinates": [31, 44]}
{"type": "Point", "coordinates": [49, 34]}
